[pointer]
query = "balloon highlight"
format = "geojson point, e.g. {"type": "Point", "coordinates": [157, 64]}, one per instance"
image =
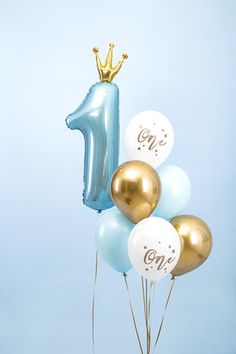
{"type": "Point", "coordinates": [196, 243]}
{"type": "Point", "coordinates": [135, 190]}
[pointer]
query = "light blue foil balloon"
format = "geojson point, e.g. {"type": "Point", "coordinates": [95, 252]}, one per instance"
{"type": "Point", "coordinates": [175, 191]}
{"type": "Point", "coordinates": [98, 119]}
{"type": "Point", "coordinates": [112, 234]}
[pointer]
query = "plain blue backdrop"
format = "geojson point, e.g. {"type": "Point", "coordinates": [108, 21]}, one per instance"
{"type": "Point", "coordinates": [181, 62]}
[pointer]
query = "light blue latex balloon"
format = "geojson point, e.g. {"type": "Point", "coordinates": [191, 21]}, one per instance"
{"type": "Point", "coordinates": [111, 236]}
{"type": "Point", "coordinates": [98, 119]}
{"type": "Point", "coordinates": [175, 191]}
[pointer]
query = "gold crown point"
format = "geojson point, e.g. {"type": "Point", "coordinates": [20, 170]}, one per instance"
{"type": "Point", "coordinates": [106, 71]}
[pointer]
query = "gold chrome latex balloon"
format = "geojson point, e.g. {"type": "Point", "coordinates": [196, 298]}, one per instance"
{"type": "Point", "coordinates": [135, 189]}
{"type": "Point", "coordinates": [196, 243]}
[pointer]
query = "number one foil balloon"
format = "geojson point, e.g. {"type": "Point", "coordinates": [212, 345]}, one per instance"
{"type": "Point", "coordinates": [98, 119]}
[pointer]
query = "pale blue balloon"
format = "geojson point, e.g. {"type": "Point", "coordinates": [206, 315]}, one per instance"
{"type": "Point", "coordinates": [112, 234]}
{"type": "Point", "coordinates": [175, 191]}
{"type": "Point", "coordinates": [98, 119]}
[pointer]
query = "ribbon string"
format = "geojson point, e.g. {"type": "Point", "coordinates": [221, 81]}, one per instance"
{"type": "Point", "coordinates": [147, 315]}
{"type": "Point", "coordinates": [147, 312]}
{"type": "Point", "coordinates": [132, 313]}
{"type": "Point", "coordinates": [150, 303]}
{"type": "Point", "coordinates": [94, 301]}
{"type": "Point", "coordinates": [148, 290]}
{"type": "Point", "coordinates": [164, 313]}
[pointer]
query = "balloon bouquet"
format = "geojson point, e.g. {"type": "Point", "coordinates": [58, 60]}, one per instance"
{"type": "Point", "coordinates": [146, 230]}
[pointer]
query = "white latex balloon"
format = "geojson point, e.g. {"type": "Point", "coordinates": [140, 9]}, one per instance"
{"type": "Point", "coordinates": [149, 137]}
{"type": "Point", "coordinates": [154, 248]}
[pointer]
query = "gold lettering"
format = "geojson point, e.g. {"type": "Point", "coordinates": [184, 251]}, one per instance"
{"type": "Point", "coordinates": [151, 256]}
{"type": "Point", "coordinates": [145, 135]}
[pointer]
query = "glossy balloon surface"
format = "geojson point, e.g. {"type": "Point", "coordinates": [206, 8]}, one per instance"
{"type": "Point", "coordinates": [135, 189]}
{"type": "Point", "coordinates": [98, 119]}
{"type": "Point", "coordinates": [196, 242]}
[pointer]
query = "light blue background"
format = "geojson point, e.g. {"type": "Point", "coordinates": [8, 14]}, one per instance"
{"type": "Point", "coordinates": [182, 62]}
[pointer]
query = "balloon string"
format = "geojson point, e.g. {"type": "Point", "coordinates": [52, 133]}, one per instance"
{"type": "Point", "coordinates": [132, 313]}
{"type": "Point", "coordinates": [147, 315]}
{"type": "Point", "coordinates": [151, 293]}
{"type": "Point", "coordinates": [94, 301]}
{"type": "Point", "coordinates": [144, 300]}
{"type": "Point", "coordinates": [94, 296]}
{"type": "Point", "coordinates": [163, 317]}
{"type": "Point", "coordinates": [146, 312]}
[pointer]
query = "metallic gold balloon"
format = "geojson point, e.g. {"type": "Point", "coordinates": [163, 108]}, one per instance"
{"type": "Point", "coordinates": [135, 189]}
{"type": "Point", "coordinates": [196, 243]}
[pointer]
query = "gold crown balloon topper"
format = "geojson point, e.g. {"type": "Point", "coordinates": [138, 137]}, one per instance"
{"type": "Point", "coordinates": [106, 71]}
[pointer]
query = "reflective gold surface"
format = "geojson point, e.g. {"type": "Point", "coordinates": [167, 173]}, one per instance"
{"type": "Point", "coordinates": [196, 243]}
{"type": "Point", "coordinates": [106, 71]}
{"type": "Point", "coordinates": [135, 189]}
